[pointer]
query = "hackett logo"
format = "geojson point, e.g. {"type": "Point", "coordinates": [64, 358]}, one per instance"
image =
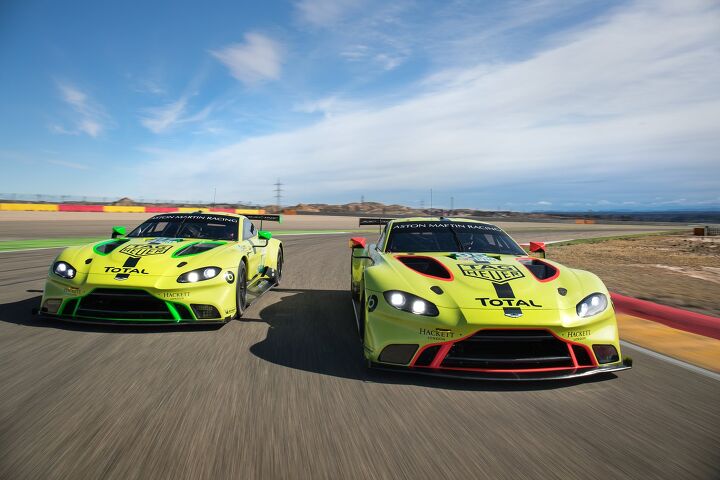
{"type": "Point", "coordinates": [492, 273]}
{"type": "Point", "coordinates": [144, 250]}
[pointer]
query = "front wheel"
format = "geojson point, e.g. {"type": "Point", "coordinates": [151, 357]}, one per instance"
{"type": "Point", "coordinates": [241, 291]}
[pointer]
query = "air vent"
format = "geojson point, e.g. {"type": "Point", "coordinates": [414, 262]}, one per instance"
{"type": "Point", "coordinates": [195, 248]}
{"type": "Point", "coordinates": [427, 266]}
{"type": "Point", "coordinates": [104, 248]}
{"type": "Point", "coordinates": [541, 270]}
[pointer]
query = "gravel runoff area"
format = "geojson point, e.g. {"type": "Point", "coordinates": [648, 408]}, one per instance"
{"type": "Point", "coordinates": [678, 270]}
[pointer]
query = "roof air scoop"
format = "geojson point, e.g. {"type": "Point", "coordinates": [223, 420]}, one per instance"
{"type": "Point", "coordinates": [426, 266]}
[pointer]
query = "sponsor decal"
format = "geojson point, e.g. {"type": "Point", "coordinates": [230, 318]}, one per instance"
{"type": "Point", "coordinates": [474, 257]}
{"type": "Point", "coordinates": [438, 333]}
{"type": "Point", "coordinates": [180, 216]}
{"type": "Point", "coordinates": [492, 273]}
{"type": "Point", "coordinates": [230, 311]}
{"type": "Point", "coordinates": [126, 270]}
{"type": "Point", "coordinates": [176, 294]}
{"type": "Point", "coordinates": [372, 303]}
{"type": "Point", "coordinates": [444, 225]}
{"type": "Point", "coordinates": [145, 250]}
{"type": "Point", "coordinates": [507, 302]}
{"type": "Point", "coordinates": [576, 334]}
{"type": "Point", "coordinates": [71, 291]}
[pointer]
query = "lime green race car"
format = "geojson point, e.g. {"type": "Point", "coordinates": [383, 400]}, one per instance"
{"type": "Point", "coordinates": [459, 297]}
{"type": "Point", "coordinates": [173, 268]}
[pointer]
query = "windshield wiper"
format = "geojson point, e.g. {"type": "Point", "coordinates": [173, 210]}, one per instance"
{"type": "Point", "coordinates": [457, 240]}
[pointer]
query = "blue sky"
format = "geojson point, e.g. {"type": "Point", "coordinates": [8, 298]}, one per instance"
{"type": "Point", "coordinates": [499, 104]}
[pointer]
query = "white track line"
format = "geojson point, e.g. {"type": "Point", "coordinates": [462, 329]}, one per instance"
{"type": "Point", "coordinates": [31, 249]}
{"type": "Point", "coordinates": [674, 361]}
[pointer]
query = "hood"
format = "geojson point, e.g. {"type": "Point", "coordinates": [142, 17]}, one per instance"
{"type": "Point", "coordinates": [154, 256]}
{"type": "Point", "coordinates": [487, 281]}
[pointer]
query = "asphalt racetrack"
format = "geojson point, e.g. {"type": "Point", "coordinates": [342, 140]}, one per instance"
{"type": "Point", "coordinates": [284, 394]}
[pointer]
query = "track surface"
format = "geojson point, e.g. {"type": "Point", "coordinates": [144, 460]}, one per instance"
{"type": "Point", "coordinates": [284, 394]}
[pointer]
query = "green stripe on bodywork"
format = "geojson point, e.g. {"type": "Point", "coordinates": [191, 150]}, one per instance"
{"type": "Point", "coordinates": [173, 311]}
{"type": "Point", "coordinates": [119, 241]}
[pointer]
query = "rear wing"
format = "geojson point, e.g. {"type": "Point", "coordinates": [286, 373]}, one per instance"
{"type": "Point", "coordinates": [267, 218]}
{"type": "Point", "coordinates": [375, 221]}
{"type": "Point", "coordinates": [263, 217]}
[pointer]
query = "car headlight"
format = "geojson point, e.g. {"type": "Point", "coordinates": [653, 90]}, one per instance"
{"type": "Point", "coordinates": [408, 302]}
{"type": "Point", "coordinates": [592, 305]}
{"type": "Point", "coordinates": [64, 270]}
{"type": "Point", "coordinates": [199, 274]}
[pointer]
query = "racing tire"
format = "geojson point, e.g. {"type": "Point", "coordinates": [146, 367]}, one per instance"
{"type": "Point", "coordinates": [241, 291]}
{"type": "Point", "coordinates": [279, 267]}
{"type": "Point", "coordinates": [361, 320]}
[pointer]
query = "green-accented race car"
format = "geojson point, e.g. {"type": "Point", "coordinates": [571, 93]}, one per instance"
{"type": "Point", "coordinates": [459, 297]}
{"type": "Point", "coordinates": [173, 268]}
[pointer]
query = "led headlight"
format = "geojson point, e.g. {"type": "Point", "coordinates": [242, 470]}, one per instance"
{"type": "Point", "coordinates": [592, 305]}
{"type": "Point", "coordinates": [199, 274]}
{"type": "Point", "coordinates": [64, 270]}
{"type": "Point", "coordinates": [408, 302]}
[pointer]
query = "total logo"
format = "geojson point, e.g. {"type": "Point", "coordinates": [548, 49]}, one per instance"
{"type": "Point", "coordinates": [507, 302]}
{"type": "Point", "coordinates": [126, 270]}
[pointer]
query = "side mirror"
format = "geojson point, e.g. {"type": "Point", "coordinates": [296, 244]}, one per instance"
{"type": "Point", "coordinates": [357, 242]}
{"type": "Point", "coordinates": [263, 235]}
{"type": "Point", "coordinates": [118, 231]}
{"type": "Point", "coordinates": [537, 249]}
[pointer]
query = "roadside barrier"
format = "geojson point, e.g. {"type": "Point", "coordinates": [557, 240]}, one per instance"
{"type": "Point", "coordinates": [672, 317]}
{"type": "Point", "coordinates": [71, 207]}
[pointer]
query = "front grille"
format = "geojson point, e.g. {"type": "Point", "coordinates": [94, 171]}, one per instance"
{"type": "Point", "coordinates": [114, 303]}
{"type": "Point", "coordinates": [509, 350]}
{"type": "Point", "coordinates": [427, 356]}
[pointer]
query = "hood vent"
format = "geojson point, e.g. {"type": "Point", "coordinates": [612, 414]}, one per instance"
{"type": "Point", "coordinates": [426, 266]}
{"type": "Point", "coordinates": [104, 248]}
{"type": "Point", "coordinates": [195, 248]}
{"type": "Point", "coordinates": [541, 270]}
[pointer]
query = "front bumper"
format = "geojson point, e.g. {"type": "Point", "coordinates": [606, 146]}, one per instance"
{"type": "Point", "coordinates": [205, 302]}
{"type": "Point", "coordinates": [486, 344]}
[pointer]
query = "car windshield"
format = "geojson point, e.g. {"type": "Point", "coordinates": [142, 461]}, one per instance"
{"type": "Point", "coordinates": [213, 227]}
{"type": "Point", "coordinates": [450, 237]}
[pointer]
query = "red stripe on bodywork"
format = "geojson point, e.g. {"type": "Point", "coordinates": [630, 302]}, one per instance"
{"type": "Point", "coordinates": [543, 280]}
{"type": "Point", "coordinates": [452, 277]}
{"type": "Point", "coordinates": [446, 346]}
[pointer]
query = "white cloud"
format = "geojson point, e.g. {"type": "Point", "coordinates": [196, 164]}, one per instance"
{"type": "Point", "coordinates": [88, 116]}
{"type": "Point", "coordinates": [324, 13]}
{"type": "Point", "coordinates": [631, 101]}
{"type": "Point", "coordinates": [257, 60]}
{"type": "Point", "coordinates": [169, 116]}
{"type": "Point", "coordinates": [73, 165]}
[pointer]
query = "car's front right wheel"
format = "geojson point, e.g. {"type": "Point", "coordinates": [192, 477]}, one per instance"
{"type": "Point", "coordinates": [241, 290]}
